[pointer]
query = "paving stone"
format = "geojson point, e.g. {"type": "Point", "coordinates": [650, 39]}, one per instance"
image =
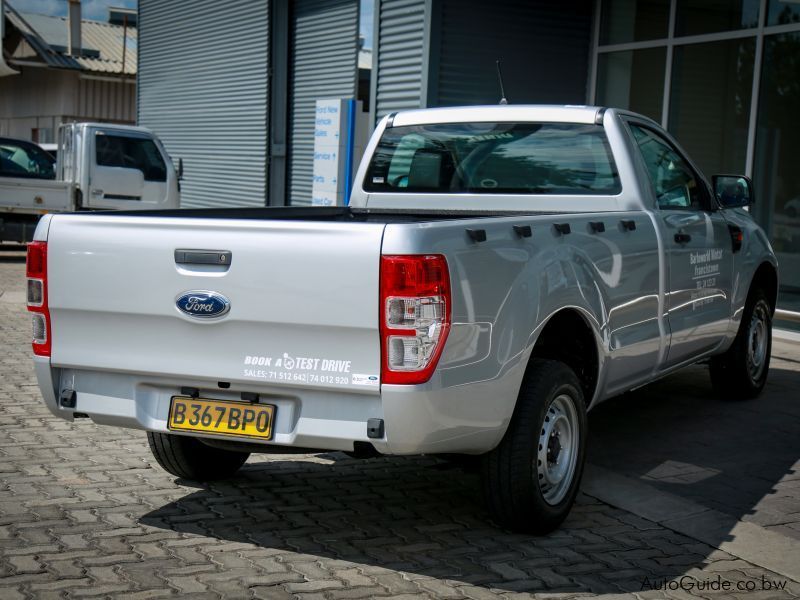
{"type": "Point", "coordinates": [25, 564]}
{"type": "Point", "coordinates": [62, 584]}
{"type": "Point", "coordinates": [100, 590]}
{"type": "Point", "coordinates": [477, 593]}
{"type": "Point", "coordinates": [271, 593]}
{"type": "Point", "coordinates": [187, 585]}
{"type": "Point", "coordinates": [148, 594]}
{"type": "Point", "coordinates": [357, 592]}
{"type": "Point", "coordinates": [314, 586]}
{"type": "Point", "coordinates": [9, 593]}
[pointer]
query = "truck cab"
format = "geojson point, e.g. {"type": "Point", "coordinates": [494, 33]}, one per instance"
{"type": "Point", "coordinates": [116, 167]}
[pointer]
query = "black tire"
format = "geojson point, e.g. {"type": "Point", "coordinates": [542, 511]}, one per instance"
{"type": "Point", "coordinates": [511, 472]}
{"type": "Point", "coordinates": [190, 458]}
{"type": "Point", "coordinates": [739, 374]}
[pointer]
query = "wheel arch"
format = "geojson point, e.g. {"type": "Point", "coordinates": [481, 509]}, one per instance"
{"type": "Point", "coordinates": [567, 336]}
{"type": "Point", "coordinates": [766, 278]}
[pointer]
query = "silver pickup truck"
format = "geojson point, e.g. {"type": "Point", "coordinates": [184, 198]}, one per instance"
{"type": "Point", "coordinates": [498, 272]}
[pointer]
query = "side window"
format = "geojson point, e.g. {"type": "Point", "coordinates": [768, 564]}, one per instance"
{"type": "Point", "coordinates": [418, 163]}
{"type": "Point", "coordinates": [130, 153]}
{"type": "Point", "coordinates": [676, 184]}
{"type": "Point", "coordinates": [23, 160]}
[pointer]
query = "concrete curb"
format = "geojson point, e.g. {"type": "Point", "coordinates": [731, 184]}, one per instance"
{"type": "Point", "coordinates": [748, 541]}
{"type": "Point", "coordinates": [786, 335]}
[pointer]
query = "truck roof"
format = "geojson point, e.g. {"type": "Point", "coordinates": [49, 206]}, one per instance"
{"type": "Point", "coordinates": [499, 113]}
{"type": "Point", "coordinates": [118, 126]}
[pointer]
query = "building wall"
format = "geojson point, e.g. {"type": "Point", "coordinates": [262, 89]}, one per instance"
{"type": "Point", "coordinates": [544, 48]}
{"type": "Point", "coordinates": [399, 55]}
{"type": "Point", "coordinates": [722, 77]}
{"type": "Point", "coordinates": [443, 52]}
{"type": "Point", "coordinates": [42, 98]}
{"type": "Point", "coordinates": [104, 100]}
{"type": "Point", "coordinates": [324, 64]}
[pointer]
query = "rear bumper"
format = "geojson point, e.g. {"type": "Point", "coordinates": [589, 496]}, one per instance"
{"type": "Point", "coordinates": [417, 420]}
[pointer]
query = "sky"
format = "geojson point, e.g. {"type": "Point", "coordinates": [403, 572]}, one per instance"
{"type": "Point", "coordinates": [367, 14]}
{"type": "Point", "coordinates": [98, 11]}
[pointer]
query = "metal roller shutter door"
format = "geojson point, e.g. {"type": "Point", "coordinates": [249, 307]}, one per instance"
{"type": "Point", "coordinates": [203, 88]}
{"type": "Point", "coordinates": [544, 47]}
{"type": "Point", "coordinates": [399, 55]}
{"type": "Point", "coordinates": [324, 64]}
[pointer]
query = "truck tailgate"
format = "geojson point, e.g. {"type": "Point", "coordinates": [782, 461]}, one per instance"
{"type": "Point", "coordinates": [34, 196]}
{"type": "Point", "coordinates": [303, 299]}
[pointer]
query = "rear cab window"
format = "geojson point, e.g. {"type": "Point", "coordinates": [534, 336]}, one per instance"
{"type": "Point", "coordinates": [494, 158]}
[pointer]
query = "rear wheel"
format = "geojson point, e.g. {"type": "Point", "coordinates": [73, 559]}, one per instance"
{"type": "Point", "coordinates": [531, 479]}
{"type": "Point", "coordinates": [190, 458]}
{"type": "Point", "coordinates": [741, 372]}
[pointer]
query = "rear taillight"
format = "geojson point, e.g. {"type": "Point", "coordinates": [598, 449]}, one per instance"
{"type": "Point", "coordinates": [36, 272]}
{"type": "Point", "coordinates": [415, 316]}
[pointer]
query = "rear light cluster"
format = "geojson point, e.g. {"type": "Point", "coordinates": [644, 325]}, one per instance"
{"type": "Point", "coordinates": [415, 316]}
{"type": "Point", "coordinates": [36, 272]}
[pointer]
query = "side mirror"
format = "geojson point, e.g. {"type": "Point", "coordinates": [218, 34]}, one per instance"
{"type": "Point", "coordinates": [180, 169]}
{"type": "Point", "coordinates": [733, 191]}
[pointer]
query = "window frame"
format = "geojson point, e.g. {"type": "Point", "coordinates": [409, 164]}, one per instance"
{"type": "Point", "coordinates": [710, 203]}
{"type": "Point", "coordinates": [366, 187]}
{"type": "Point", "coordinates": [139, 138]}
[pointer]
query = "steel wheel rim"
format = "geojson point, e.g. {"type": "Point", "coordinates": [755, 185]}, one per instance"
{"type": "Point", "coordinates": [757, 341]}
{"type": "Point", "coordinates": [557, 453]}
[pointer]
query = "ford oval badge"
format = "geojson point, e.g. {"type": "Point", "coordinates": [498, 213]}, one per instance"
{"type": "Point", "coordinates": [203, 304]}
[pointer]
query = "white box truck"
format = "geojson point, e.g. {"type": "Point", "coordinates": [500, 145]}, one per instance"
{"type": "Point", "coordinates": [99, 167]}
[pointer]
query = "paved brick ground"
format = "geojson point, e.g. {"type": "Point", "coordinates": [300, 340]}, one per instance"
{"type": "Point", "coordinates": [742, 458]}
{"type": "Point", "coordinates": [84, 512]}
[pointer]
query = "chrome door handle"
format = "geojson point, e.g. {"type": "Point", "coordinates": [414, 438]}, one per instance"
{"type": "Point", "coordinates": [97, 192]}
{"type": "Point", "coordinates": [203, 257]}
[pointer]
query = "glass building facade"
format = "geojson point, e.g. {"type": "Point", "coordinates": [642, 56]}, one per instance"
{"type": "Point", "coordinates": [723, 76]}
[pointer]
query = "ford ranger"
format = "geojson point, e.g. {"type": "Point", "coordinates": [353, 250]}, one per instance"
{"type": "Point", "coordinates": [498, 272]}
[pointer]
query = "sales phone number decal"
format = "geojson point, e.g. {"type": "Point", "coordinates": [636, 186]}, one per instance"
{"type": "Point", "coordinates": [303, 369]}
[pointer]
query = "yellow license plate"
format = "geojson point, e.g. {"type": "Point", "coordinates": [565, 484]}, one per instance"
{"type": "Point", "coordinates": [225, 417]}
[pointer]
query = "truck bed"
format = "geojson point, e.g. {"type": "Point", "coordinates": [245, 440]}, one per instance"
{"type": "Point", "coordinates": [342, 214]}
{"type": "Point", "coordinates": [33, 196]}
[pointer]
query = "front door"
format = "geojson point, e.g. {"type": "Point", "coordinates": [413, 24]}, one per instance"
{"type": "Point", "coordinates": [698, 245]}
{"type": "Point", "coordinates": [127, 171]}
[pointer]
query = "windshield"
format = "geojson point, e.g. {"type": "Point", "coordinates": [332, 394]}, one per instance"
{"type": "Point", "coordinates": [494, 158]}
{"type": "Point", "coordinates": [18, 159]}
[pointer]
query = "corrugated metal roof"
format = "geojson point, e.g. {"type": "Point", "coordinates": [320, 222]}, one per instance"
{"type": "Point", "coordinates": [102, 43]}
